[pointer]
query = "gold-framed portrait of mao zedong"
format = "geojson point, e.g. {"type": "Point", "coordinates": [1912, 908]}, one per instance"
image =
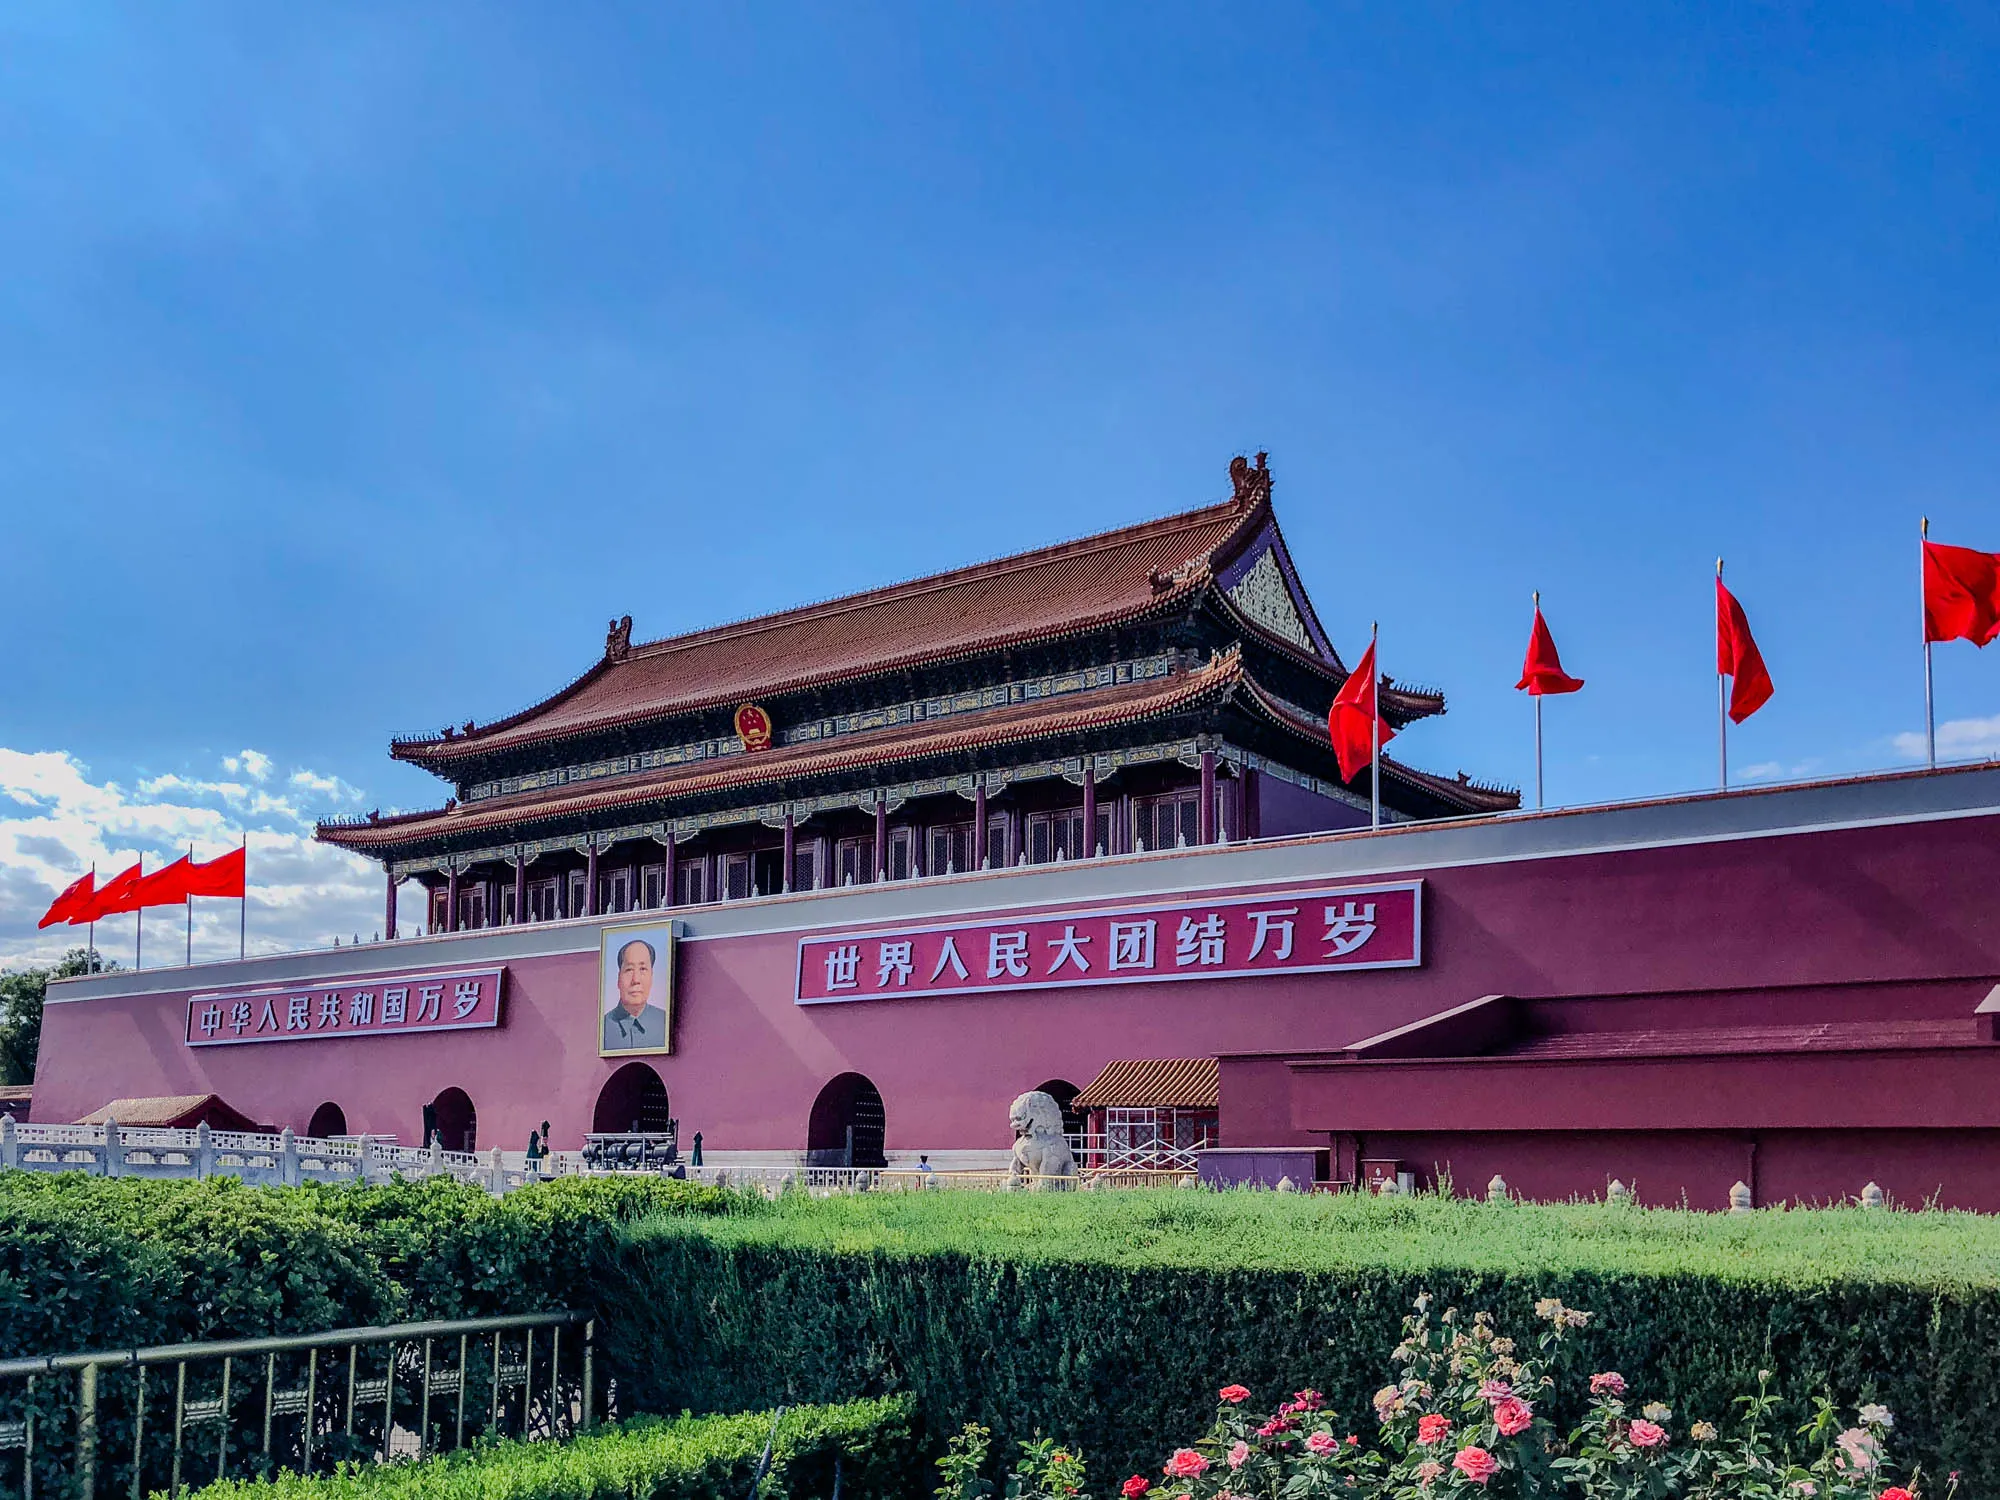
{"type": "Point", "coordinates": [635, 990]}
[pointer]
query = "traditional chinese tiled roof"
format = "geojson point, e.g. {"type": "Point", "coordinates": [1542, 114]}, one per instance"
{"type": "Point", "coordinates": [1155, 1083]}
{"type": "Point", "coordinates": [170, 1110]}
{"type": "Point", "coordinates": [1222, 677]}
{"type": "Point", "coordinates": [1013, 723]}
{"type": "Point", "coordinates": [1460, 791]}
{"type": "Point", "coordinates": [1073, 588]}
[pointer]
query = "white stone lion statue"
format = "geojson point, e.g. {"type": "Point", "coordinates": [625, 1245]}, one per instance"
{"type": "Point", "coordinates": [1041, 1150]}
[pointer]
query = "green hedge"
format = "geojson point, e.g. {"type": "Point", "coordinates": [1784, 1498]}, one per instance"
{"type": "Point", "coordinates": [94, 1263]}
{"type": "Point", "coordinates": [90, 1264]}
{"type": "Point", "coordinates": [1109, 1320]}
{"type": "Point", "coordinates": [691, 1458]}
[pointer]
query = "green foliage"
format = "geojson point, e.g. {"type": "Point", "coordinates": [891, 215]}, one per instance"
{"type": "Point", "coordinates": [22, 993]}
{"type": "Point", "coordinates": [963, 1463]}
{"type": "Point", "coordinates": [1109, 1319]}
{"type": "Point", "coordinates": [691, 1458]}
{"type": "Point", "coordinates": [1044, 1470]}
{"type": "Point", "coordinates": [89, 1263]}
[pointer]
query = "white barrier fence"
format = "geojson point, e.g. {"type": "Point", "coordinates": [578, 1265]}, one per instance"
{"type": "Point", "coordinates": [285, 1159]}
{"type": "Point", "coordinates": [114, 1150]}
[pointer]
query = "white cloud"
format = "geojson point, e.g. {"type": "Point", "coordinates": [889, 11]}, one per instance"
{"type": "Point", "coordinates": [57, 820]}
{"type": "Point", "coordinates": [1777, 770]}
{"type": "Point", "coordinates": [252, 763]}
{"type": "Point", "coordinates": [323, 786]}
{"type": "Point", "coordinates": [1957, 739]}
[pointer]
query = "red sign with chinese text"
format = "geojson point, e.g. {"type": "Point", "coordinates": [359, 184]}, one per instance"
{"type": "Point", "coordinates": [1290, 932]}
{"type": "Point", "coordinates": [440, 1000]}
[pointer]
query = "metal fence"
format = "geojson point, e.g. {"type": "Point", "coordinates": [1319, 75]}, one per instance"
{"type": "Point", "coordinates": [138, 1420]}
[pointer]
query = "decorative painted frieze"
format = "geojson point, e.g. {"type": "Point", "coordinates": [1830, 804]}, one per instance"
{"type": "Point", "coordinates": [915, 711]}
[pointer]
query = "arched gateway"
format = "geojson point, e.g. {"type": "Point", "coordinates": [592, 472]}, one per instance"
{"type": "Point", "coordinates": [632, 1099]}
{"type": "Point", "coordinates": [848, 1125]}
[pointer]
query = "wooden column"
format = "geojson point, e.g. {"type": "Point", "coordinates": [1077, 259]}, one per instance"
{"type": "Point", "coordinates": [881, 838]}
{"type": "Point", "coordinates": [791, 843]}
{"type": "Point", "coordinates": [521, 888]}
{"type": "Point", "coordinates": [669, 897]}
{"type": "Point", "coordinates": [590, 878]}
{"type": "Point", "coordinates": [1089, 808]}
{"type": "Point", "coordinates": [1012, 852]}
{"type": "Point", "coordinates": [389, 907]}
{"type": "Point", "coordinates": [979, 825]}
{"type": "Point", "coordinates": [1205, 823]}
{"type": "Point", "coordinates": [451, 899]}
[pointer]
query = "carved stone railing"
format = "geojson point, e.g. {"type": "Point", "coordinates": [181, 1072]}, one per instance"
{"type": "Point", "coordinates": [113, 1150]}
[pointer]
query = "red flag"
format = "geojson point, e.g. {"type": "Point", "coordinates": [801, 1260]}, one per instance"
{"type": "Point", "coordinates": [1354, 719]}
{"type": "Point", "coordinates": [1542, 672]}
{"type": "Point", "coordinates": [74, 898]}
{"type": "Point", "coordinates": [166, 886]}
{"type": "Point", "coordinates": [115, 895]}
{"type": "Point", "coordinates": [222, 876]}
{"type": "Point", "coordinates": [1737, 657]}
{"type": "Point", "coordinates": [1961, 594]}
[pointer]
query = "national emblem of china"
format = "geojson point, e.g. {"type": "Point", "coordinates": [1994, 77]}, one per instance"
{"type": "Point", "coordinates": [753, 727]}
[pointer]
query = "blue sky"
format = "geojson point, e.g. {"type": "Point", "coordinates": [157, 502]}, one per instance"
{"type": "Point", "coordinates": [356, 366]}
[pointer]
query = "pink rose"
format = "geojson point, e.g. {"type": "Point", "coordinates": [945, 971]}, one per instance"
{"type": "Point", "coordinates": [1428, 1470]}
{"type": "Point", "coordinates": [1239, 1455]}
{"type": "Point", "coordinates": [1309, 1399]}
{"type": "Point", "coordinates": [1134, 1487]}
{"type": "Point", "coordinates": [1431, 1428]}
{"type": "Point", "coordinates": [1513, 1416]}
{"type": "Point", "coordinates": [1235, 1395]}
{"type": "Point", "coordinates": [1494, 1391]}
{"type": "Point", "coordinates": [1185, 1464]}
{"type": "Point", "coordinates": [1476, 1464]}
{"type": "Point", "coordinates": [1322, 1443]}
{"type": "Point", "coordinates": [1610, 1383]}
{"type": "Point", "coordinates": [1646, 1434]}
{"type": "Point", "coordinates": [1857, 1448]}
{"type": "Point", "coordinates": [1275, 1426]}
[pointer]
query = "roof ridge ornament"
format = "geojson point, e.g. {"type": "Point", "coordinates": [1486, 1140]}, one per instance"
{"type": "Point", "coordinates": [1250, 483]}
{"type": "Point", "coordinates": [618, 639]}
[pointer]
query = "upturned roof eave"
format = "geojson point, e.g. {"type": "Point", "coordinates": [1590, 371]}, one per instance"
{"type": "Point", "coordinates": [444, 752]}
{"type": "Point", "coordinates": [408, 830]}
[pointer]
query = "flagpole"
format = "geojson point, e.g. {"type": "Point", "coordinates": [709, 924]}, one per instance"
{"type": "Point", "coordinates": [1930, 713]}
{"type": "Point", "coordinates": [1375, 730]}
{"type": "Point", "coordinates": [189, 963]}
{"type": "Point", "coordinates": [1721, 693]}
{"type": "Point", "coordinates": [243, 906]}
{"type": "Point", "coordinates": [139, 925]}
{"type": "Point", "coordinates": [1538, 724]}
{"type": "Point", "coordinates": [90, 934]}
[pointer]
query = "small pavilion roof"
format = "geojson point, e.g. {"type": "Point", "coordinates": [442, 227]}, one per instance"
{"type": "Point", "coordinates": [1154, 1083]}
{"type": "Point", "coordinates": [1222, 676]}
{"type": "Point", "coordinates": [181, 1111]}
{"type": "Point", "coordinates": [1047, 594]}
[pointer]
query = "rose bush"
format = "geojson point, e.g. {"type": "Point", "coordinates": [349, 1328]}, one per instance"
{"type": "Point", "coordinates": [1460, 1419]}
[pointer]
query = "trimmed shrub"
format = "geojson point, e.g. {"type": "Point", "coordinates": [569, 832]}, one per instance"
{"type": "Point", "coordinates": [89, 1264]}
{"type": "Point", "coordinates": [689, 1458]}
{"type": "Point", "coordinates": [95, 1263]}
{"type": "Point", "coordinates": [1108, 1321]}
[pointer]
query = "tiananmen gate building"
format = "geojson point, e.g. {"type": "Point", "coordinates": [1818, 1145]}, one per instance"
{"type": "Point", "coordinates": [835, 885]}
